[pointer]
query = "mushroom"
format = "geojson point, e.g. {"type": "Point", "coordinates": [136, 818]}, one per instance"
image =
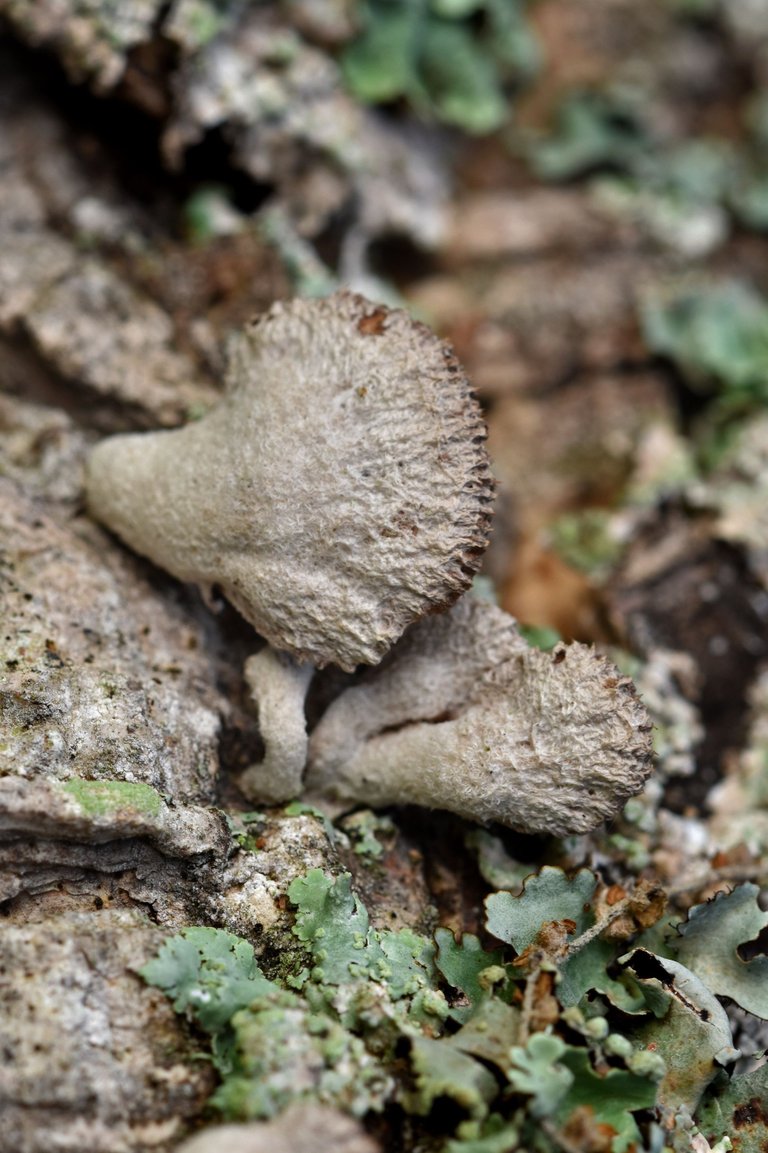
{"type": "Point", "coordinates": [464, 716]}
{"type": "Point", "coordinates": [339, 492]}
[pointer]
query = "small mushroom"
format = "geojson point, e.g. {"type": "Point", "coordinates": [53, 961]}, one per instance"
{"type": "Point", "coordinates": [464, 716]}
{"type": "Point", "coordinates": [430, 672]}
{"type": "Point", "coordinates": [278, 687]}
{"type": "Point", "coordinates": [339, 492]}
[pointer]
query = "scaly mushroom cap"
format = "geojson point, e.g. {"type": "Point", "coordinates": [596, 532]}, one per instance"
{"type": "Point", "coordinates": [542, 742]}
{"type": "Point", "coordinates": [339, 492]}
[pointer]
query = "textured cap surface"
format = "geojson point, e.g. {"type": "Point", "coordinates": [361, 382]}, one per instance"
{"type": "Point", "coordinates": [542, 742]}
{"type": "Point", "coordinates": [430, 673]}
{"type": "Point", "coordinates": [339, 492]}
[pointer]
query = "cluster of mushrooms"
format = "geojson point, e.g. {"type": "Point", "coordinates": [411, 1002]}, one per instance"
{"type": "Point", "coordinates": [340, 497]}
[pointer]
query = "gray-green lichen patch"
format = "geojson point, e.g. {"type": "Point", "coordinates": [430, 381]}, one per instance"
{"type": "Point", "coordinates": [737, 493]}
{"type": "Point", "coordinates": [98, 798]}
{"type": "Point", "coordinates": [123, 1075]}
{"type": "Point", "coordinates": [248, 894]}
{"type": "Point", "coordinates": [362, 1018]}
{"type": "Point", "coordinates": [97, 812]}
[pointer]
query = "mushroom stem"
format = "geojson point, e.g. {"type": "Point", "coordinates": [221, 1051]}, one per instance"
{"type": "Point", "coordinates": [141, 485]}
{"type": "Point", "coordinates": [278, 689]}
{"type": "Point", "coordinates": [429, 674]}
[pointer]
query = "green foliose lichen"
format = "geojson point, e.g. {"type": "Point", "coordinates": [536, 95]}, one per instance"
{"type": "Point", "coordinates": [452, 60]}
{"type": "Point", "coordinates": [587, 540]}
{"type": "Point", "coordinates": [365, 1019]}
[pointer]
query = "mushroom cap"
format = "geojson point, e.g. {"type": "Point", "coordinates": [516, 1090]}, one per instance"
{"type": "Point", "coordinates": [541, 742]}
{"type": "Point", "coordinates": [339, 492]}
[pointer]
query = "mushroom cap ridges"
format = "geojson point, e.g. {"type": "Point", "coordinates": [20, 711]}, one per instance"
{"type": "Point", "coordinates": [392, 459]}
{"type": "Point", "coordinates": [543, 742]}
{"type": "Point", "coordinates": [577, 745]}
{"type": "Point", "coordinates": [339, 492]}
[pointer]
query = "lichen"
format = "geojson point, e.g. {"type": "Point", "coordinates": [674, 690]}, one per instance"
{"type": "Point", "coordinates": [377, 388]}
{"type": "Point", "coordinates": [361, 1019]}
{"type": "Point", "coordinates": [98, 798]}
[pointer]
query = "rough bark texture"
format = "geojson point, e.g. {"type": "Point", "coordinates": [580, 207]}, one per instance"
{"type": "Point", "coordinates": [103, 679]}
{"type": "Point", "coordinates": [109, 761]}
{"type": "Point", "coordinates": [116, 301]}
{"type": "Point", "coordinates": [121, 695]}
{"type": "Point", "coordinates": [301, 1129]}
{"type": "Point", "coordinates": [116, 691]}
{"type": "Point", "coordinates": [276, 99]}
{"type": "Point", "coordinates": [92, 1059]}
{"type": "Point", "coordinates": [71, 321]}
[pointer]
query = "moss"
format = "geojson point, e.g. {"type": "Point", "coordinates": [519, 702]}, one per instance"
{"type": "Point", "coordinates": [98, 798]}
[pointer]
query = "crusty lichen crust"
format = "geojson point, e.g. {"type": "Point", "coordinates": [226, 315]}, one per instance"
{"type": "Point", "coordinates": [339, 492]}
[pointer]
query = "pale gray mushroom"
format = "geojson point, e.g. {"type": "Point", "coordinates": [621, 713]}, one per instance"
{"type": "Point", "coordinates": [429, 673]}
{"type": "Point", "coordinates": [339, 492]}
{"type": "Point", "coordinates": [464, 716]}
{"type": "Point", "coordinates": [278, 687]}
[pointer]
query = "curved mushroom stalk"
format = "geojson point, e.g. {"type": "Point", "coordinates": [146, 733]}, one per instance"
{"type": "Point", "coordinates": [430, 673]}
{"type": "Point", "coordinates": [278, 689]}
{"type": "Point", "coordinates": [340, 491]}
{"type": "Point", "coordinates": [541, 742]}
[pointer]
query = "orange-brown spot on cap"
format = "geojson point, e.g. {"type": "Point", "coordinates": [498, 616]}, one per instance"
{"type": "Point", "coordinates": [372, 324]}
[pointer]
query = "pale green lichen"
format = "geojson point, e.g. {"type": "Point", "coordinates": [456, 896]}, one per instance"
{"type": "Point", "coordinates": [588, 540]}
{"type": "Point", "coordinates": [363, 1019]}
{"type": "Point", "coordinates": [364, 828]}
{"type": "Point", "coordinates": [717, 337]}
{"type": "Point", "coordinates": [101, 798]}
